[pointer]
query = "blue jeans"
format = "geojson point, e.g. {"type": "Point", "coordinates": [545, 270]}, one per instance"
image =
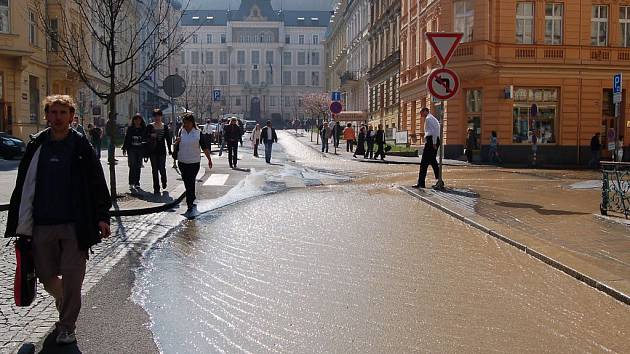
{"type": "Point", "coordinates": [324, 145]}
{"type": "Point", "coordinates": [268, 146]}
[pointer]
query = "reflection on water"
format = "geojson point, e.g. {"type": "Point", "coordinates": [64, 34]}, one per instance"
{"type": "Point", "coordinates": [322, 270]}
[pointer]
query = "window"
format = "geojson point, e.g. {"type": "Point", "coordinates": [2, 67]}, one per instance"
{"type": "Point", "coordinates": [287, 39]}
{"type": "Point", "coordinates": [624, 21]}
{"type": "Point", "coordinates": [269, 57]}
{"type": "Point", "coordinates": [209, 38]}
{"type": "Point", "coordinates": [223, 57]}
{"type": "Point", "coordinates": [194, 76]}
{"type": "Point", "coordinates": [286, 78]}
{"type": "Point", "coordinates": [473, 101]}
{"type": "Point", "coordinates": [210, 78]}
{"type": "Point", "coordinates": [255, 57]}
{"type": "Point", "coordinates": [195, 39]}
{"type": "Point", "coordinates": [273, 101]}
{"type": "Point", "coordinates": [599, 25]}
{"type": "Point", "coordinates": [223, 38]}
{"type": "Point", "coordinates": [287, 101]}
{"type": "Point", "coordinates": [544, 123]}
{"type": "Point", "coordinates": [237, 101]}
{"type": "Point", "coordinates": [269, 77]}
{"type": "Point", "coordinates": [240, 57]}
{"type": "Point", "coordinates": [315, 39]}
{"type": "Point", "coordinates": [301, 78]}
{"type": "Point", "coordinates": [525, 23]}
{"type": "Point", "coordinates": [209, 57]}
{"type": "Point", "coordinates": [194, 58]}
{"type": "Point", "coordinates": [315, 79]}
{"type": "Point", "coordinates": [553, 23]}
{"type": "Point", "coordinates": [223, 78]}
{"type": "Point", "coordinates": [301, 58]}
{"type": "Point", "coordinates": [54, 27]}
{"type": "Point", "coordinates": [286, 60]}
{"type": "Point", "coordinates": [32, 28]}
{"type": "Point", "coordinates": [183, 57]}
{"type": "Point", "coordinates": [255, 77]}
{"type": "Point", "coordinates": [240, 77]}
{"type": "Point", "coordinates": [301, 39]}
{"type": "Point", "coordinates": [5, 17]}
{"type": "Point", "coordinates": [315, 58]}
{"type": "Point", "coordinates": [464, 19]}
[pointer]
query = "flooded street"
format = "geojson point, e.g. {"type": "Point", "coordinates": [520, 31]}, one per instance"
{"type": "Point", "coordinates": [322, 269]}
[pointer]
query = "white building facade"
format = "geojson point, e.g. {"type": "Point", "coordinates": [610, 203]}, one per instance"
{"type": "Point", "coordinates": [261, 61]}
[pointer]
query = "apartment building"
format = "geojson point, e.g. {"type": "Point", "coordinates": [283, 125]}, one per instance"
{"type": "Point", "coordinates": [528, 68]}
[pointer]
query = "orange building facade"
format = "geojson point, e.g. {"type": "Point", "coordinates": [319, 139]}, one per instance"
{"type": "Point", "coordinates": [530, 70]}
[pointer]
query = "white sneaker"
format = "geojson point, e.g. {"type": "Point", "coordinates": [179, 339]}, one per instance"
{"type": "Point", "coordinates": [66, 337]}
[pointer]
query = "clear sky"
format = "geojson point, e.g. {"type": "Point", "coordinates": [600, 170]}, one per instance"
{"type": "Point", "coordinates": [234, 4]}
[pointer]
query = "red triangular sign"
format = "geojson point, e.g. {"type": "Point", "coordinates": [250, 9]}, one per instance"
{"type": "Point", "coordinates": [444, 44]}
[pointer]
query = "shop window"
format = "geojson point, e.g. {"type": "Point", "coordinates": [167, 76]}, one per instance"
{"type": "Point", "coordinates": [553, 23]}
{"type": "Point", "coordinates": [535, 111]}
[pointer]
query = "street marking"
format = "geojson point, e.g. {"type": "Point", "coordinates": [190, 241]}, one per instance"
{"type": "Point", "coordinates": [216, 180]}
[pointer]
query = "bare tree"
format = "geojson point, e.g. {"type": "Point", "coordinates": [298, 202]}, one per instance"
{"type": "Point", "coordinates": [112, 45]}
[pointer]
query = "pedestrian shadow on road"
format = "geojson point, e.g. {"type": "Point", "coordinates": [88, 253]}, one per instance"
{"type": "Point", "coordinates": [50, 346]}
{"type": "Point", "coordinates": [242, 169]}
{"type": "Point", "coordinates": [537, 208]}
{"type": "Point", "coordinates": [141, 194]}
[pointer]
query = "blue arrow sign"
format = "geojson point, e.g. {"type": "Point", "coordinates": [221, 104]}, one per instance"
{"type": "Point", "coordinates": [335, 96]}
{"type": "Point", "coordinates": [216, 95]}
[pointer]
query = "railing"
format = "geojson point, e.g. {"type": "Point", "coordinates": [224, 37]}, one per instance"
{"type": "Point", "coordinates": [349, 77]}
{"type": "Point", "coordinates": [615, 188]}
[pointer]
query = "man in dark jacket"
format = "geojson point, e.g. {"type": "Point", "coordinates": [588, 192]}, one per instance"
{"type": "Point", "coordinates": [61, 205]}
{"type": "Point", "coordinates": [379, 139]}
{"type": "Point", "coordinates": [268, 136]}
{"type": "Point", "coordinates": [596, 147]}
{"type": "Point", "coordinates": [232, 134]}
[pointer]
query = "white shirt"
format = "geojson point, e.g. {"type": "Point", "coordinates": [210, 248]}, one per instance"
{"type": "Point", "coordinates": [189, 148]}
{"type": "Point", "coordinates": [431, 126]}
{"type": "Point", "coordinates": [269, 134]}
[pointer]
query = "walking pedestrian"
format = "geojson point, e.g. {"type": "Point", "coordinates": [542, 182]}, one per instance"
{"type": "Point", "coordinates": [336, 134]}
{"type": "Point", "coordinates": [96, 138]}
{"type": "Point", "coordinates": [494, 148]}
{"type": "Point", "coordinates": [369, 139]}
{"type": "Point", "coordinates": [324, 134]}
{"type": "Point", "coordinates": [596, 147]}
{"type": "Point", "coordinates": [232, 134]}
{"type": "Point", "coordinates": [255, 138]}
{"type": "Point", "coordinates": [349, 136]}
{"type": "Point", "coordinates": [158, 141]}
{"type": "Point", "coordinates": [133, 147]}
{"type": "Point", "coordinates": [471, 144]}
{"type": "Point", "coordinates": [61, 205]}
{"type": "Point", "coordinates": [268, 136]}
{"type": "Point", "coordinates": [77, 126]}
{"type": "Point", "coordinates": [190, 143]}
{"type": "Point", "coordinates": [241, 128]}
{"type": "Point", "coordinates": [620, 149]}
{"type": "Point", "coordinates": [379, 139]}
{"type": "Point", "coordinates": [360, 143]}
{"type": "Point", "coordinates": [221, 131]}
{"type": "Point", "coordinates": [431, 145]}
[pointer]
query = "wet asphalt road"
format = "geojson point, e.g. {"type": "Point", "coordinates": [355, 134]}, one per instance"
{"type": "Point", "coordinates": [361, 267]}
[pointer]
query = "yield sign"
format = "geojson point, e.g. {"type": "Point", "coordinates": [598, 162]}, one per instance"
{"type": "Point", "coordinates": [444, 44]}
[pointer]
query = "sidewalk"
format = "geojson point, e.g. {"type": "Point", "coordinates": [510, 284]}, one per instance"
{"type": "Point", "coordinates": [553, 213]}
{"type": "Point", "coordinates": [128, 202]}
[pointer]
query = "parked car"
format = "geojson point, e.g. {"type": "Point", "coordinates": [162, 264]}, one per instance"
{"type": "Point", "coordinates": [249, 125]}
{"type": "Point", "coordinates": [11, 146]}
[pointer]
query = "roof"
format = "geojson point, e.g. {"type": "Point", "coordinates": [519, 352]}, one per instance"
{"type": "Point", "coordinates": [296, 18]}
{"type": "Point", "coordinates": [205, 18]}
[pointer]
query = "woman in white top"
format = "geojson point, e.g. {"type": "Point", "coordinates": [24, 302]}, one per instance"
{"type": "Point", "coordinates": [190, 143]}
{"type": "Point", "coordinates": [255, 138]}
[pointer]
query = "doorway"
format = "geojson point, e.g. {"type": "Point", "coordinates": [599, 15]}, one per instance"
{"type": "Point", "coordinates": [255, 109]}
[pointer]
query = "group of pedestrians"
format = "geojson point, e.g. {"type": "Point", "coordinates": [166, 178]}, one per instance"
{"type": "Point", "coordinates": [266, 136]}
{"type": "Point", "coordinates": [367, 137]}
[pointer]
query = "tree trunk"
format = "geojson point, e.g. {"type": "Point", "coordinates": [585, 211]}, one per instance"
{"type": "Point", "coordinates": [112, 163]}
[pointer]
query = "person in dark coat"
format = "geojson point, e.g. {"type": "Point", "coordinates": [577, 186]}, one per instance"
{"type": "Point", "coordinates": [60, 204]}
{"type": "Point", "coordinates": [158, 141]}
{"type": "Point", "coordinates": [369, 139]}
{"type": "Point", "coordinates": [471, 144]}
{"type": "Point", "coordinates": [596, 148]}
{"type": "Point", "coordinates": [268, 137]}
{"type": "Point", "coordinates": [133, 147]}
{"type": "Point", "coordinates": [360, 150]}
{"type": "Point", "coordinates": [232, 134]}
{"type": "Point", "coordinates": [379, 139]}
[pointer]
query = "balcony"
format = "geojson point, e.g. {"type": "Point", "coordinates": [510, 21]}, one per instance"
{"type": "Point", "coordinates": [349, 79]}
{"type": "Point", "coordinates": [392, 61]}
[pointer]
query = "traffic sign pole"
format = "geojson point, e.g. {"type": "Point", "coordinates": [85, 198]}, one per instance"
{"type": "Point", "coordinates": [617, 99]}
{"type": "Point", "coordinates": [440, 182]}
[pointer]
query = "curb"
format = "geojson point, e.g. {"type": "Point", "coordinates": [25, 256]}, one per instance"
{"type": "Point", "coordinates": [616, 294]}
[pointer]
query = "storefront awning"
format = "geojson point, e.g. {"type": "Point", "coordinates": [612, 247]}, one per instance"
{"type": "Point", "coordinates": [351, 116]}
